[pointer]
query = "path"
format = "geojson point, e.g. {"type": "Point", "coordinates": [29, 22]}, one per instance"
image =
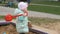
{"type": "Point", "coordinates": [6, 10]}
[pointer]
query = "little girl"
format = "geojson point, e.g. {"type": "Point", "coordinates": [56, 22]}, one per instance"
{"type": "Point", "coordinates": [21, 14]}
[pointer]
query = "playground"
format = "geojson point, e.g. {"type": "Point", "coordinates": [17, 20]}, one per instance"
{"type": "Point", "coordinates": [46, 24]}
{"type": "Point", "coordinates": [44, 17]}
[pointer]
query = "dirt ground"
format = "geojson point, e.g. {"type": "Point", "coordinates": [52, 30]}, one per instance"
{"type": "Point", "coordinates": [46, 23]}
{"type": "Point", "coordinates": [10, 29]}
{"type": "Point", "coordinates": [52, 26]}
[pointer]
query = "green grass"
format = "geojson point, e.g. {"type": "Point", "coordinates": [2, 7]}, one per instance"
{"type": "Point", "coordinates": [46, 2]}
{"type": "Point", "coordinates": [47, 9]}
{"type": "Point", "coordinates": [2, 17]}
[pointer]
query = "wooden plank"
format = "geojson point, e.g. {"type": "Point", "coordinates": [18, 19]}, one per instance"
{"type": "Point", "coordinates": [37, 31]}
{"type": "Point", "coordinates": [44, 30]}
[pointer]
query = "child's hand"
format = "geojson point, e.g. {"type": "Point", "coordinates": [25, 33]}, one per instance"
{"type": "Point", "coordinates": [25, 14]}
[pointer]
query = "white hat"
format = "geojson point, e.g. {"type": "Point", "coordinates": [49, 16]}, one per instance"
{"type": "Point", "coordinates": [22, 5]}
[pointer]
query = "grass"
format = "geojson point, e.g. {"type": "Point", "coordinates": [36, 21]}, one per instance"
{"type": "Point", "coordinates": [46, 2]}
{"type": "Point", "coordinates": [47, 9]}
{"type": "Point", "coordinates": [2, 17]}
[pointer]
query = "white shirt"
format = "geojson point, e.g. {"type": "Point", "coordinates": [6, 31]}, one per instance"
{"type": "Point", "coordinates": [22, 5]}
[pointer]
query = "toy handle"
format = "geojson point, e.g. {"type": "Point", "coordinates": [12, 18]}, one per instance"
{"type": "Point", "coordinates": [17, 15]}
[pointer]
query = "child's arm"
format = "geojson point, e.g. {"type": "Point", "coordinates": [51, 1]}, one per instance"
{"type": "Point", "coordinates": [25, 13]}
{"type": "Point", "coordinates": [18, 15]}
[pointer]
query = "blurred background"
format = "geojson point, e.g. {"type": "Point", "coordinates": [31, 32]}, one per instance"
{"type": "Point", "coordinates": [48, 7]}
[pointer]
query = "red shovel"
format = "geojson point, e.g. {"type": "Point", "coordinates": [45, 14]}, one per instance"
{"type": "Point", "coordinates": [8, 17]}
